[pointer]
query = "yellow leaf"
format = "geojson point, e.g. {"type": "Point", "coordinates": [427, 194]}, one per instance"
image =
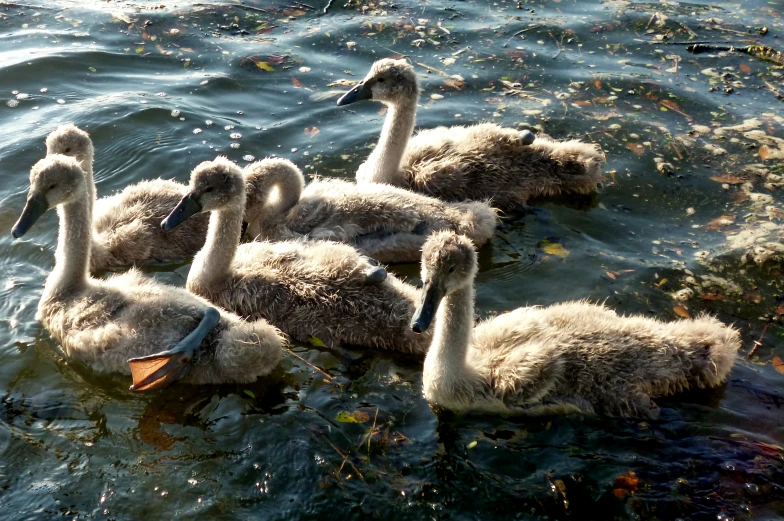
{"type": "Point", "coordinates": [681, 311]}
{"type": "Point", "coordinates": [472, 444]}
{"type": "Point", "coordinates": [316, 341]}
{"type": "Point", "coordinates": [352, 417]}
{"type": "Point", "coordinates": [265, 66]}
{"type": "Point", "coordinates": [778, 365]}
{"type": "Point", "coordinates": [554, 248]}
{"type": "Point", "coordinates": [662, 282]}
{"type": "Point", "coordinates": [311, 131]}
{"type": "Point", "coordinates": [139, 50]}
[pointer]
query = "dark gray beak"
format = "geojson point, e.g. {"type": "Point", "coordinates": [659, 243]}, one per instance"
{"type": "Point", "coordinates": [423, 316]}
{"type": "Point", "coordinates": [33, 210]}
{"type": "Point", "coordinates": [360, 92]}
{"type": "Point", "coordinates": [188, 206]}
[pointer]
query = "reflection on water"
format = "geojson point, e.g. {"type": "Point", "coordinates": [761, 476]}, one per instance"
{"type": "Point", "coordinates": [161, 88]}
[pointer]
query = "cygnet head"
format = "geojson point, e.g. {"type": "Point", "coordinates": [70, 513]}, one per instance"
{"type": "Point", "coordinates": [389, 81]}
{"type": "Point", "coordinates": [54, 180]}
{"type": "Point", "coordinates": [214, 185]}
{"type": "Point", "coordinates": [448, 264]}
{"type": "Point", "coordinates": [69, 140]}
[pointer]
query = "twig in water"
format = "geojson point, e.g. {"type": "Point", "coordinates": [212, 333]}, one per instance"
{"type": "Point", "coordinates": [240, 6]}
{"type": "Point", "coordinates": [305, 5]}
{"type": "Point", "coordinates": [346, 460]}
{"type": "Point", "coordinates": [521, 32]}
{"type": "Point", "coordinates": [329, 4]}
{"type": "Point", "coordinates": [758, 343]}
{"type": "Point", "coordinates": [763, 52]}
{"type": "Point", "coordinates": [329, 377]}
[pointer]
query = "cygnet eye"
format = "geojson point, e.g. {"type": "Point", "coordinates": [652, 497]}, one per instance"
{"type": "Point", "coordinates": [67, 150]}
{"type": "Point", "coordinates": [381, 80]}
{"type": "Point", "coordinates": [452, 269]}
{"type": "Point", "coordinates": [209, 189]}
{"type": "Point", "coordinates": [52, 186]}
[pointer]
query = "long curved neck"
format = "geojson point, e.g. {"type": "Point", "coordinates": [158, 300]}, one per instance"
{"type": "Point", "coordinates": [383, 165]}
{"type": "Point", "coordinates": [212, 264]}
{"type": "Point", "coordinates": [87, 166]}
{"type": "Point", "coordinates": [446, 358]}
{"type": "Point", "coordinates": [262, 210]}
{"type": "Point", "coordinates": [73, 248]}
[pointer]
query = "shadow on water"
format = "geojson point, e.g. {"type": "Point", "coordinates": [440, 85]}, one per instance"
{"type": "Point", "coordinates": [692, 143]}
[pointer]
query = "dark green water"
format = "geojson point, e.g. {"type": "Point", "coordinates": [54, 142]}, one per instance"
{"type": "Point", "coordinates": [160, 97]}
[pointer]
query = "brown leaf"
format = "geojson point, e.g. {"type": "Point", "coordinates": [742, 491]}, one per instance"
{"type": "Point", "coordinates": [778, 364]}
{"type": "Point", "coordinates": [610, 274]}
{"type": "Point", "coordinates": [296, 82]}
{"type": "Point", "coordinates": [311, 131]}
{"type": "Point", "coordinates": [583, 103]}
{"type": "Point", "coordinates": [628, 481]}
{"type": "Point", "coordinates": [681, 311]}
{"type": "Point", "coordinates": [597, 84]}
{"type": "Point", "coordinates": [636, 148]}
{"type": "Point", "coordinates": [718, 222]}
{"type": "Point", "coordinates": [745, 68]}
{"type": "Point", "coordinates": [712, 296]}
{"type": "Point", "coordinates": [764, 152]}
{"type": "Point", "coordinates": [455, 83]}
{"type": "Point", "coordinates": [780, 309]}
{"type": "Point", "coordinates": [620, 492]}
{"type": "Point", "coordinates": [754, 296]}
{"type": "Point", "coordinates": [729, 179]}
{"type": "Point", "coordinates": [670, 104]}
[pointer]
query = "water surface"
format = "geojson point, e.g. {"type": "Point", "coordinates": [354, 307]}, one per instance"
{"type": "Point", "coordinates": [162, 87]}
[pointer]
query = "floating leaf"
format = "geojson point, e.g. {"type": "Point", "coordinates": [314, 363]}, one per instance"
{"type": "Point", "coordinates": [92, 69]}
{"type": "Point", "coordinates": [352, 417]}
{"type": "Point", "coordinates": [610, 274]}
{"type": "Point", "coordinates": [681, 311]}
{"type": "Point", "coordinates": [764, 152]}
{"type": "Point", "coordinates": [316, 341]}
{"type": "Point", "coordinates": [250, 393]}
{"type": "Point", "coordinates": [619, 492]}
{"type": "Point", "coordinates": [472, 445]}
{"type": "Point", "coordinates": [636, 148]}
{"type": "Point", "coordinates": [554, 248]}
{"type": "Point", "coordinates": [778, 364]}
{"type": "Point", "coordinates": [712, 296]}
{"type": "Point", "coordinates": [140, 50]}
{"type": "Point", "coordinates": [311, 131]}
{"type": "Point", "coordinates": [628, 481]}
{"type": "Point", "coordinates": [296, 82]}
{"type": "Point", "coordinates": [343, 83]}
{"type": "Point", "coordinates": [718, 222]}
{"type": "Point", "coordinates": [729, 179]}
{"type": "Point", "coordinates": [745, 68]}
{"type": "Point", "coordinates": [265, 66]}
{"type": "Point", "coordinates": [662, 282]}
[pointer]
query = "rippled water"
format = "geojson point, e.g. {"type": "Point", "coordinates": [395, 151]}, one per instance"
{"type": "Point", "coordinates": [163, 88]}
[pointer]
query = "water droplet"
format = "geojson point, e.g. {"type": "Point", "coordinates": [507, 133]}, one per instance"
{"type": "Point", "coordinates": [14, 92]}
{"type": "Point", "coordinates": [753, 488]}
{"type": "Point", "coordinates": [44, 89]}
{"type": "Point", "coordinates": [12, 103]}
{"type": "Point", "coordinates": [205, 82]}
{"type": "Point", "coordinates": [235, 135]}
{"type": "Point", "coordinates": [235, 145]}
{"type": "Point", "coordinates": [248, 158]}
{"type": "Point", "coordinates": [61, 102]}
{"type": "Point", "coordinates": [174, 32]}
{"type": "Point", "coordinates": [192, 481]}
{"type": "Point", "coordinates": [182, 119]}
{"type": "Point", "coordinates": [294, 149]}
{"type": "Point", "coordinates": [208, 122]}
{"type": "Point", "coordinates": [197, 131]}
{"type": "Point", "coordinates": [228, 127]}
{"type": "Point", "coordinates": [175, 113]}
{"type": "Point", "coordinates": [240, 112]}
{"type": "Point", "coordinates": [161, 94]}
{"type": "Point", "coordinates": [22, 95]}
